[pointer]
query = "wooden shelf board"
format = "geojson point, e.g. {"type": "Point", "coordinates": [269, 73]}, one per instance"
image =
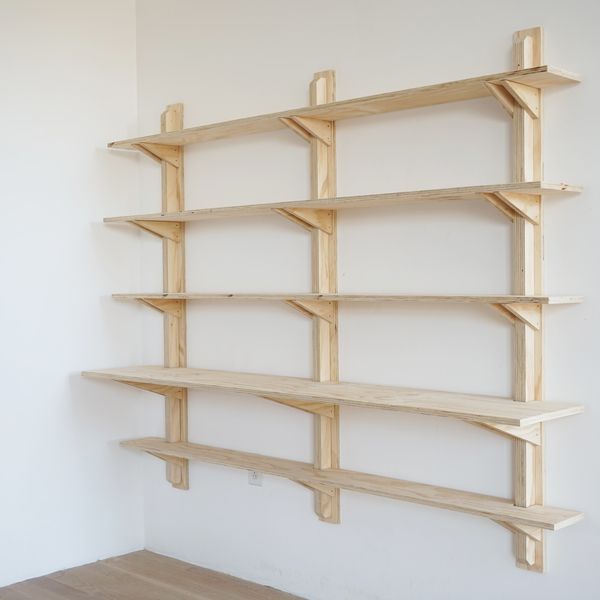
{"type": "Point", "coordinates": [469, 407]}
{"type": "Point", "coordinates": [362, 201]}
{"type": "Point", "coordinates": [499, 509]}
{"type": "Point", "coordinates": [450, 299]}
{"type": "Point", "coordinates": [464, 89]}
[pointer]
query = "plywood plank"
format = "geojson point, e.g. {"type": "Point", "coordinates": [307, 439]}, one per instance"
{"type": "Point", "coordinates": [324, 281]}
{"type": "Point", "coordinates": [313, 297]}
{"type": "Point", "coordinates": [453, 91]}
{"type": "Point", "coordinates": [468, 407]}
{"type": "Point", "coordinates": [361, 201]}
{"type": "Point", "coordinates": [477, 504]}
{"type": "Point", "coordinates": [175, 352]}
{"type": "Point", "coordinates": [528, 279]}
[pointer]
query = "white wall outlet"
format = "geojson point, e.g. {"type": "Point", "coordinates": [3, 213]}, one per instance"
{"type": "Point", "coordinates": [255, 478]}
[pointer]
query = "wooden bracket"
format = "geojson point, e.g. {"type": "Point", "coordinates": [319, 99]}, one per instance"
{"type": "Point", "coordinates": [170, 230]}
{"type": "Point", "coordinates": [315, 408]}
{"type": "Point", "coordinates": [502, 95]}
{"type": "Point", "coordinates": [529, 313]}
{"type": "Point", "coordinates": [324, 309]}
{"type": "Point", "coordinates": [161, 153]}
{"type": "Point", "coordinates": [309, 218]}
{"type": "Point", "coordinates": [528, 433]}
{"type": "Point", "coordinates": [163, 390]}
{"type": "Point", "coordinates": [167, 305]}
{"type": "Point", "coordinates": [533, 533]}
{"type": "Point", "coordinates": [504, 208]}
{"type": "Point", "coordinates": [526, 96]}
{"type": "Point", "coordinates": [514, 204]}
{"type": "Point", "coordinates": [179, 466]}
{"type": "Point", "coordinates": [309, 128]}
{"type": "Point", "coordinates": [527, 206]}
{"type": "Point", "coordinates": [319, 487]}
{"type": "Point", "coordinates": [508, 93]}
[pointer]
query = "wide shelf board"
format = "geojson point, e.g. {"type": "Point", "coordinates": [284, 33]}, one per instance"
{"type": "Point", "coordinates": [464, 89]}
{"type": "Point", "coordinates": [469, 407]}
{"type": "Point", "coordinates": [492, 507]}
{"type": "Point", "coordinates": [449, 299]}
{"type": "Point", "coordinates": [362, 201]}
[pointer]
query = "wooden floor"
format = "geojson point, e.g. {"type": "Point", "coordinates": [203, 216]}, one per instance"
{"type": "Point", "coordinates": [140, 576]}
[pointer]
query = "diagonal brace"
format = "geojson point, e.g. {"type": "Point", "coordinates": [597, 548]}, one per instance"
{"type": "Point", "coordinates": [163, 390]}
{"type": "Point", "coordinates": [527, 97]}
{"type": "Point", "coordinates": [319, 487]}
{"type": "Point", "coordinates": [324, 309]}
{"type": "Point", "coordinates": [527, 206]}
{"type": "Point", "coordinates": [511, 93]}
{"type": "Point", "coordinates": [161, 152]}
{"type": "Point", "coordinates": [503, 96]}
{"type": "Point", "coordinates": [309, 218]}
{"type": "Point", "coordinates": [528, 433]}
{"type": "Point", "coordinates": [534, 533]}
{"type": "Point", "coordinates": [514, 204]}
{"type": "Point", "coordinates": [529, 313]}
{"type": "Point", "coordinates": [309, 128]}
{"type": "Point", "coordinates": [170, 230]}
{"type": "Point", "coordinates": [315, 408]}
{"type": "Point", "coordinates": [170, 306]}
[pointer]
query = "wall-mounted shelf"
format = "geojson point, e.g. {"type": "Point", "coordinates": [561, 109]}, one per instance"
{"type": "Point", "coordinates": [527, 309]}
{"type": "Point", "coordinates": [520, 417]}
{"type": "Point", "coordinates": [498, 509]}
{"type": "Point", "coordinates": [465, 89]}
{"type": "Point", "coordinates": [451, 299]}
{"type": "Point", "coordinates": [523, 199]}
{"type": "Point", "coordinates": [468, 407]}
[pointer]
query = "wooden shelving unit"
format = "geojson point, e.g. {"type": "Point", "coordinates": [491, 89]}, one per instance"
{"type": "Point", "coordinates": [521, 418]}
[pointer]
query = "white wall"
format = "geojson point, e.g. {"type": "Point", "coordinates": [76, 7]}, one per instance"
{"type": "Point", "coordinates": [234, 58]}
{"type": "Point", "coordinates": [68, 494]}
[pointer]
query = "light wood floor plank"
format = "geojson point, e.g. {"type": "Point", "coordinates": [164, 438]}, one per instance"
{"type": "Point", "coordinates": [140, 575]}
{"type": "Point", "coordinates": [103, 582]}
{"type": "Point", "coordinates": [11, 593]}
{"type": "Point", "coordinates": [46, 588]}
{"type": "Point", "coordinates": [184, 577]}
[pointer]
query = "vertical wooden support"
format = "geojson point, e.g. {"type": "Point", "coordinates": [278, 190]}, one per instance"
{"type": "Point", "coordinates": [324, 281]}
{"type": "Point", "coordinates": [174, 281]}
{"type": "Point", "coordinates": [528, 272]}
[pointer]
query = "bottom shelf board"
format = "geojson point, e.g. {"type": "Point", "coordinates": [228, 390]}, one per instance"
{"type": "Point", "coordinates": [492, 507]}
{"type": "Point", "coordinates": [468, 407]}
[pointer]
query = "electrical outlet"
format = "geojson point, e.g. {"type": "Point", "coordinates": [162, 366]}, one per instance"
{"type": "Point", "coordinates": [255, 478]}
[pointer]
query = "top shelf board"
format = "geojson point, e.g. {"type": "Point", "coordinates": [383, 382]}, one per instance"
{"type": "Point", "coordinates": [477, 192]}
{"type": "Point", "coordinates": [464, 89]}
